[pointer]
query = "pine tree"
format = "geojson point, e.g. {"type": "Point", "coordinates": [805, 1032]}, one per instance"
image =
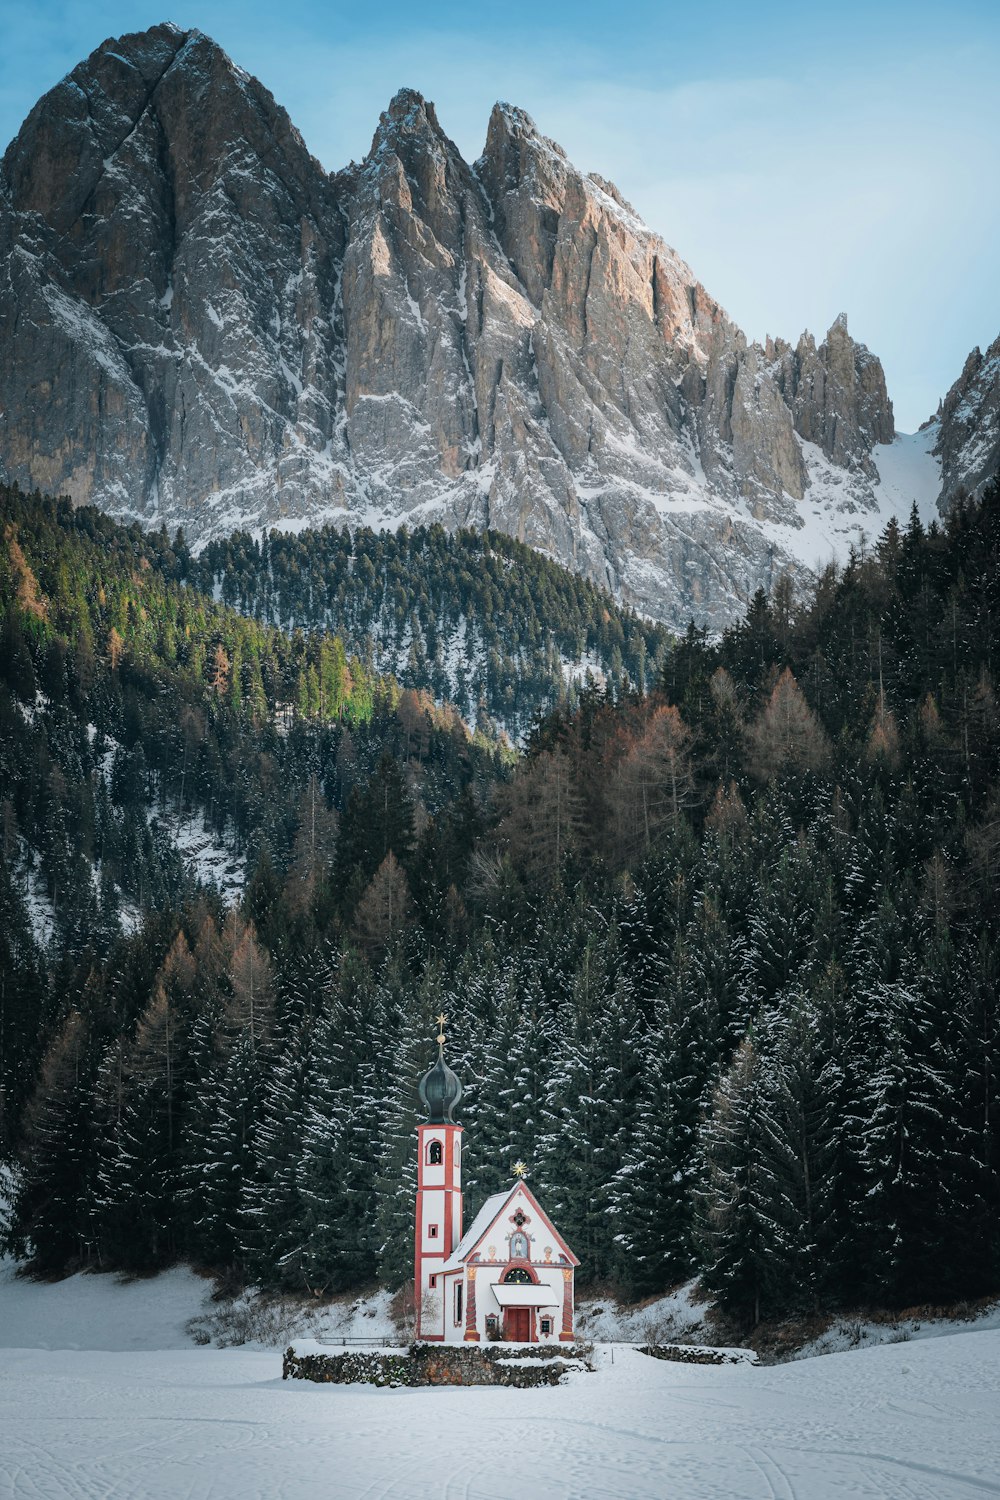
{"type": "Point", "coordinates": [397, 1109]}
{"type": "Point", "coordinates": [795, 1181]}
{"type": "Point", "coordinates": [140, 1159]}
{"type": "Point", "coordinates": [587, 1116]}
{"type": "Point", "coordinates": [214, 1180]}
{"type": "Point", "coordinates": [729, 1223]}
{"type": "Point", "coordinates": [907, 1148]}
{"type": "Point", "coordinates": [271, 1213]}
{"type": "Point", "coordinates": [386, 908]}
{"type": "Point", "coordinates": [652, 1194]}
{"type": "Point", "coordinates": [787, 736]}
{"type": "Point", "coordinates": [335, 1175]}
{"type": "Point", "coordinates": [50, 1215]}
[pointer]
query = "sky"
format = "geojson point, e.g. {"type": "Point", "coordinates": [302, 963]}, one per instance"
{"type": "Point", "coordinates": [805, 160]}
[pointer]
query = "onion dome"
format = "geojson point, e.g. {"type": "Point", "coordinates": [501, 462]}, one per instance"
{"type": "Point", "coordinates": [440, 1090]}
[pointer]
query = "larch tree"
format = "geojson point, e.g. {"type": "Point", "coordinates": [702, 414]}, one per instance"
{"type": "Point", "coordinates": [787, 736]}
{"type": "Point", "coordinates": [653, 784]}
{"type": "Point", "coordinates": [386, 907]}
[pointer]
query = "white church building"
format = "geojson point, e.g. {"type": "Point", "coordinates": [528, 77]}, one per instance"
{"type": "Point", "coordinates": [510, 1274]}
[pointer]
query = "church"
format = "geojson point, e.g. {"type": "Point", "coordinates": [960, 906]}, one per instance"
{"type": "Point", "coordinates": [510, 1274]}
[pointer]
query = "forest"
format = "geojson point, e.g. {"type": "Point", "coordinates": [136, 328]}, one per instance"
{"type": "Point", "coordinates": [473, 618]}
{"type": "Point", "coordinates": [719, 948]}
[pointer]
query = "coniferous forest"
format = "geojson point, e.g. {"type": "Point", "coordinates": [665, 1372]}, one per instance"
{"type": "Point", "coordinates": [719, 949]}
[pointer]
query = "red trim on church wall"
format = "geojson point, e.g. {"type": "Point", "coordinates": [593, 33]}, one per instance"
{"type": "Point", "coordinates": [448, 1217]}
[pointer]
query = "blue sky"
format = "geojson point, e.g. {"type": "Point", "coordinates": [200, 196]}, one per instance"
{"type": "Point", "coordinates": [804, 160]}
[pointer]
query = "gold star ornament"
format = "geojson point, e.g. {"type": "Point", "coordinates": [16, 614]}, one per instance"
{"type": "Point", "coordinates": [520, 1169]}
{"type": "Point", "coordinates": [440, 1023]}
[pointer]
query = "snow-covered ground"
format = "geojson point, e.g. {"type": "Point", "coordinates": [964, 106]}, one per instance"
{"type": "Point", "coordinates": [914, 1421]}
{"type": "Point", "coordinates": [102, 1395]}
{"type": "Point", "coordinates": [841, 511]}
{"type": "Point", "coordinates": [210, 859]}
{"type": "Point", "coordinates": [675, 1318]}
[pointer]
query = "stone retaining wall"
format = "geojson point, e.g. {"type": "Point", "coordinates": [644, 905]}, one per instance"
{"type": "Point", "coordinates": [437, 1364]}
{"type": "Point", "coordinates": [684, 1354]}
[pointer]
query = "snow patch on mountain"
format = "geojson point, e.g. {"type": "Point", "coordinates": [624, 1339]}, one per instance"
{"type": "Point", "coordinates": [909, 473]}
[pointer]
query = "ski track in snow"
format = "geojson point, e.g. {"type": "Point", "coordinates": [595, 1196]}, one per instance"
{"type": "Point", "coordinates": [110, 1402]}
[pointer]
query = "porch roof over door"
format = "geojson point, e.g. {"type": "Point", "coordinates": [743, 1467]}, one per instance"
{"type": "Point", "coordinates": [525, 1296]}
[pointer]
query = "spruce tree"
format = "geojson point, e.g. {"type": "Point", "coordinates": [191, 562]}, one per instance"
{"type": "Point", "coordinates": [729, 1224]}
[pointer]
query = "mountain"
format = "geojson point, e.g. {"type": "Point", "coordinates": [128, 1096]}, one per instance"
{"type": "Point", "coordinates": [210, 331]}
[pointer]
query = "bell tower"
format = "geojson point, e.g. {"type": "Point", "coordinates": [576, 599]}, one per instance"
{"type": "Point", "coordinates": [439, 1192]}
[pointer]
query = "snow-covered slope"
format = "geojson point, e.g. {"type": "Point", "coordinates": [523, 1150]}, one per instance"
{"type": "Point", "coordinates": [844, 508]}
{"type": "Point", "coordinates": [910, 1420]}
{"type": "Point", "coordinates": [99, 1312]}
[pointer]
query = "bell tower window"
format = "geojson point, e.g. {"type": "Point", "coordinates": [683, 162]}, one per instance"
{"type": "Point", "coordinates": [434, 1154]}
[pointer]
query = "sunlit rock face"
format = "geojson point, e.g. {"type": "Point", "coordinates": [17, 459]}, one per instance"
{"type": "Point", "coordinates": [203, 328]}
{"type": "Point", "coordinates": [968, 442]}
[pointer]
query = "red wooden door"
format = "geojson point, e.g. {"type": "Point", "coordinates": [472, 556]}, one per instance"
{"type": "Point", "coordinates": [519, 1324]}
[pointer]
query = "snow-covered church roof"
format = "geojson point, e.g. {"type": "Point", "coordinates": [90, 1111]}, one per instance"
{"type": "Point", "coordinates": [484, 1218]}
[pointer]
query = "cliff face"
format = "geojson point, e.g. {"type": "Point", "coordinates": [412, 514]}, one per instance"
{"type": "Point", "coordinates": [203, 328]}
{"type": "Point", "coordinates": [968, 441]}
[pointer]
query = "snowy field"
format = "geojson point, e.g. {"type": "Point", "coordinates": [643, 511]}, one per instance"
{"type": "Point", "coordinates": [101, 1395]}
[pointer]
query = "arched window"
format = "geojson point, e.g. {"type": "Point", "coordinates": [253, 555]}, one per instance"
{"type": "Point", "coordinates": [518, 1276]}
{"type": "Point", "coordinates": [434, 1154]}
{"type": "Point", "coordinates": [519, 1246]}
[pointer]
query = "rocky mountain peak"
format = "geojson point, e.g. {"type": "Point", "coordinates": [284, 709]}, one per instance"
{"type": "Point", "coordinates": [409, 116]}
{"type": "Point", "coordinates": [837, 395]}
{"type": "Point", "coordinates": [58, 155]}
{"type": "Point", "coordinates": [227, 335]}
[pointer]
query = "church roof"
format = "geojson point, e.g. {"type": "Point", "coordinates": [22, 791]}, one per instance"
{"type": "Point", "coordinates": [484, 1218]}
{"type": "Point", "coordinates": [488, 1215]}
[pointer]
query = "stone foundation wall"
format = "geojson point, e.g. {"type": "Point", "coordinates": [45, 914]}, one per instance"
{"type": "Point", "coordinates": [437, 1364]}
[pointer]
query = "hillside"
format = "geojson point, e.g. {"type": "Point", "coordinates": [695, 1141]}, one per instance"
{"type": "Point", "coordinates": [474, 619]}
{"type": "Point", "coordinates": [154, 743]}
{"type": "Point", "coordinates": [722, 958]}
